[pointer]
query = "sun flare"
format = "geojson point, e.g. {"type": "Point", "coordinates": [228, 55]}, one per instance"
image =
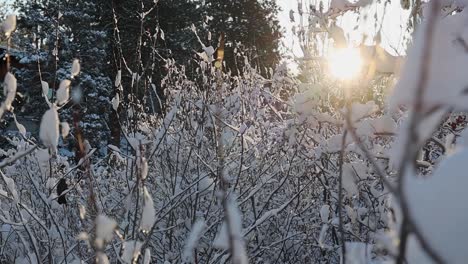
{"type": "Point", "coordinates": [345, 63]}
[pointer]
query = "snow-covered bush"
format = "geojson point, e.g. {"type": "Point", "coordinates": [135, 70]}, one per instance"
{"type": "Point", "coordinates": [245, 168]}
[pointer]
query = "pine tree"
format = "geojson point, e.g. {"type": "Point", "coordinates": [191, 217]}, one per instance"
{"type": "Point", "coordinates": [251, 27]}
{"type": "Point", "coordinates": [55, 33]}
{"type": "Point", "coordinates": [146, 37]}
{"type": "Point", "coordinates": [163, 33]}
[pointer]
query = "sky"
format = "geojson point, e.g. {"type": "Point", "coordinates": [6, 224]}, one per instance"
{"type": "Point", "coordinates": [393, 26]}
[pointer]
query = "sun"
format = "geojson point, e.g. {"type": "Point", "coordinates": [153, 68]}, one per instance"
{"type": "Point", "coordinates": [345, 63]}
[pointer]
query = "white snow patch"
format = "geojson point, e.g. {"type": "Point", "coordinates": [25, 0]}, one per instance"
{"type": "Point", "coordinates": [446, 79]}
{"type": "Point", "coordinates": [115, 102]}
{"type": "Point", "coordinates": [325, 213]}
{"type": "Point", "coordinates": [9, 25]}
{"type": "Point", "coordinates": [105, 227]}
{"type": "Point", "coordinates": [75, 68]}
{"type": "Point", "coordinates": [148, 215]}
{"type": "Point", "coordinates": [49, 129]}
{"type": "Point", "coordinates": [438, 205]}
{"type": "Point", "coordinates": [63, 93]}
{"type": "Point", "coordinates": [9, 90]}
{"type": "Point", "coordinates": [131, 251]}
{"type": "Point", "coordinates": [191, 244]}
{"type": "Point", "coordinates": [65, 129]}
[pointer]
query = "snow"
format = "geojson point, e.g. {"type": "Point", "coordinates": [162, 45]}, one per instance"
{"type": "Point", "coordinates": [266, 216]}
{"type": "Point", "coordinates": [349, 180]}
{"type": "Point", "coordinates": [192, 240]}
{"type": "Point", "coordinates": [134, 142]}
{"type": "Point", "coordinates": [9, 90]}
{"type": "Point", "coordinates": [51, 183]}
{"type": "Point", "coordinates": [205, 184]}
{"type": "Point", "coordinates": [20, 127]}
{"type": "Point", "coordinates": [425, 129]}
{"type": "Point", "coordinates": [325, 213]}
{"type": "Point", "coordinates": [358, 252]}
{"type": "Point", "coordinates": [63, 93]}
{"type": "Point", "coordinates": [49, 129]}
{"type": "Point", "coordinates": [415, 254]}
{"type": "Point", "coordinates": [113, 148]}
{"type": "Point", "coordinates": [32, 258]}
{"type": "Point", "coordinates": [384, 124]}
{"type": "Point", "coordinates": [143, 168]}
{"type": "Point", "coordinates": [131, 251]}
{"type": "Point", "coordinates": [333, 144]}
{"type": "Point", "coordinates": [446, 78]}
{"type": "Point", "coordinates": [162, 34]}
{"type": "Point", "coordinates": [205, 57]}
{"type": "Point", "coordinates": [365, 128]}
{"type": "Point", "coordinates": [322, 236]}
{"type": "Point", "coordinates": [45, 88]}
{"type": "Point", "coordinates": [351, 213]}
{"type": "Point", "coordinates": [75, 68]}
{"type": "Point", "coordinates": [148, 215]}
{"type": "Point", "coordinates": [438, 206]}
{"type": "Point", "coordinates": [449, 146]}
{"type": "Point", "coordinates": [222, 239]}
{"type": "Point", "coordinates": [101, 258]}
{"type": "Point", "coordinates": [82, 211]}
{"type": "Point", "coordinates": [209, 52]}
{"type": "Point", "coordinates": [462, 140]}
{"type": "Point", "coordinates": [147, 257]}
{"type": "Point", "coordinates": [105, 227]}
{"type": "Point", "coordinates": [235, 232]}
{"type": "Point", "coordinates": [115, 102]}
{"type": "Point", "coordinates": [9, 25]}
{"type": "Point", "coordinates": [284, 168]}
{"type": "Point", "coordinates": [65, 129]}
{"type": "Point", "coordinates": [360, 111]}
{"type": "Point", "coordinates": [83, 236]}
{"type": "Point", "coordinates": [10, 183]}
{"type": "Point", "coordinates": [118, 78]}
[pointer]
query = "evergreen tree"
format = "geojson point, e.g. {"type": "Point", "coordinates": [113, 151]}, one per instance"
{"type": "Point", "coordinates": [54, 33]}
{"type": "Point", "coordinates": [149, 34]}
{"type": "Point", "coordinates": [251, 27]}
